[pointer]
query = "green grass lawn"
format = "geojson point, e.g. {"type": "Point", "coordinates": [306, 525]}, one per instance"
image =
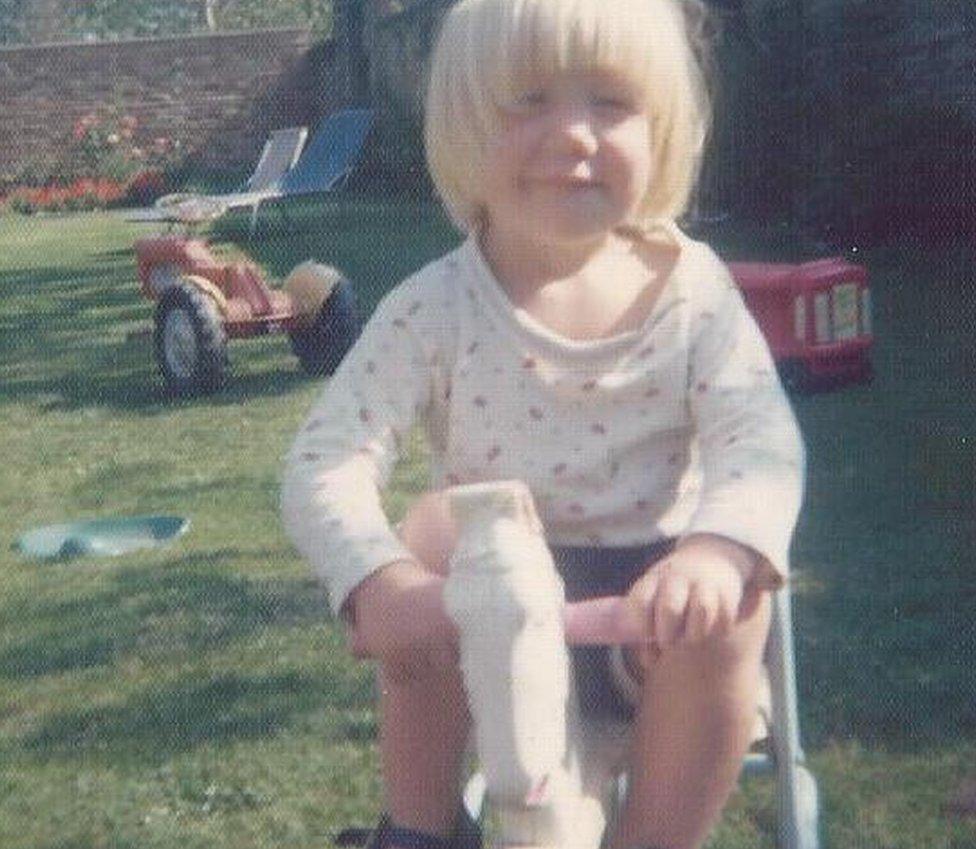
{"type": "Point", "coordinates": [199, 695]}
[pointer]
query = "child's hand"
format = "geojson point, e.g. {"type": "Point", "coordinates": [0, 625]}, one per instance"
{"type": "Point", "coordinates": [398, 618]}
{"type": "Point", "coordinates": [695, 593]}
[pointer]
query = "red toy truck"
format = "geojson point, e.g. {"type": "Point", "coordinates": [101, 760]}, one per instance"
{"type": "Point", "coordinates": [816, 317]}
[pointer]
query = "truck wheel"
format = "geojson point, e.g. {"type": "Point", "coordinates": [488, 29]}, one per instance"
{"type": "Point", "coordinates": [321, 346]}
{"type": "Point", "coordinates": [190, 342]}
{"type": "Point", "coordinates": [794, 376]}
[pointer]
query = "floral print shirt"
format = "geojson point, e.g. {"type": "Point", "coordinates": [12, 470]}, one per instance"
{"type": "Point", "coordinates": [680, 426]}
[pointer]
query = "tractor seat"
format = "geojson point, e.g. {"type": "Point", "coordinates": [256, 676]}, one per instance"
{"type": "Point", "coordinates": [242, 282]}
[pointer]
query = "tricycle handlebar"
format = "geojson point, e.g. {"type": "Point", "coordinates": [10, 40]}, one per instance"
{"type": "Point", "coordinates": [602, 621]}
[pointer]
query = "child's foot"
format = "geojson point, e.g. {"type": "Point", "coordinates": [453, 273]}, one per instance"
{"type": "Point", "coordinates": [386, 835]}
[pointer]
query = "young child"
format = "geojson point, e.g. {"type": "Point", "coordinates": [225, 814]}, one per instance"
{"type": "Point", "coordinates": [577, 340]}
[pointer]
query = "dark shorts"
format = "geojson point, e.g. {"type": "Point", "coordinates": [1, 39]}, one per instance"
{"type": "Point", "coordinates": [591, 573]}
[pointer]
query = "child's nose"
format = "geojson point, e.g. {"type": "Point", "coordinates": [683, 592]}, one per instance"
{"type": "Point", "coordinates": [575, 130]}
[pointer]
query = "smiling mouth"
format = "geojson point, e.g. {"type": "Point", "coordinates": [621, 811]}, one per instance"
{"type": "Point", "coordinates": [569, 182]}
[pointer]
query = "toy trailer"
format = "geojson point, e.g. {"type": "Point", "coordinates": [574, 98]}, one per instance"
{"type": "Point", "coordinates": [816, 317]}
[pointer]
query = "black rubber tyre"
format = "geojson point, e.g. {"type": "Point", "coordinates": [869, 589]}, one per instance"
{"type": "Point", "coordinates": [321, 346]}
{"type": "Point", "coordinates": [794, 376]}
{"type": "Point", "coordinates": [189, 341]}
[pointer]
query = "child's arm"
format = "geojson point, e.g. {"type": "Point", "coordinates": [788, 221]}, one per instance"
{"type": "Point", "coordinates": [752, 459]}
{"type": "Point", "coordinates": [345, 451]}
{"type": "Point", "coordinates": [751, 454]}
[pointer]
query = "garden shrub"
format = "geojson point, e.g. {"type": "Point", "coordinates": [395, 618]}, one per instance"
{"type": "Point", "coordinates": [105, 161]}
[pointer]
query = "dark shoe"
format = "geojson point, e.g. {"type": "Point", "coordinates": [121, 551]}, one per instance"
{"type": "Point", "coordinates": [467, 835]}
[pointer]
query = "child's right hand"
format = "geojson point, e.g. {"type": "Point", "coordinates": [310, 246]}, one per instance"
{"type": "Point", "coordinates": [397, 617]}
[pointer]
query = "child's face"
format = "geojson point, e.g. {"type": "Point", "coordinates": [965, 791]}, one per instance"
{"type": "Point", "coordinates": [571, 161]}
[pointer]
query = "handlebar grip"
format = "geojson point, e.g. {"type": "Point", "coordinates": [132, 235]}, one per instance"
{"type": "Point", "coordinates": [605, 621]}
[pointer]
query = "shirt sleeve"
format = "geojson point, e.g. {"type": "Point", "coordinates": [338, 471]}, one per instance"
{"type": "Point", "coordinates": [752, 456]}
{"type": "Point", "coordinates": [346, 450]}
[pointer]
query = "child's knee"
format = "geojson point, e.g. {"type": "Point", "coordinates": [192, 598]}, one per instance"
{"type": "Point", "coordinates": [720, 657]}
{"type": "Point", "coordinates": [741, 647]}
{"type": "Point", "coordinates": [434, 667]}
{"type": "Point", "coordinates": [428, 531]}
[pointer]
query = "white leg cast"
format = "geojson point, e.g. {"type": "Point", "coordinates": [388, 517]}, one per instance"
{"type": "Point", "coordinates": [506, 598]}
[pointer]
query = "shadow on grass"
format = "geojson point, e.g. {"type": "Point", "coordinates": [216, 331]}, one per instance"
{"type": "Point", "coordinates": [122, 374]}
{"type": "Point", "coordinates": [155, 612]}
{"type": "Point", "coordinates": [180, 716]}
{"type": "Point", "coordinates": [889, 526]}
{"type": "Point", "coordinates": [87, 342]}
{"type": "Point", "coordinates": [887, 671]}
{"type": "Point", "coordinates": [142, 390]}
{"type": "Point", "coordinates": [164, 616]}
{"type": "Point", "coordinates": [150, 488]}
{"type": "Point", "coordinates": [71, 332]}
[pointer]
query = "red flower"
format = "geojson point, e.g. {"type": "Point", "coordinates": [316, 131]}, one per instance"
{"type": "Point", "coordinates": [83, 125]}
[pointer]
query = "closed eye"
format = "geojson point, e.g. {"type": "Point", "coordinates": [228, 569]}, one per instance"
{"type": "Point", "coordinates": [535, 97]}
{"type": "Point", "coordinates": [620, 103]}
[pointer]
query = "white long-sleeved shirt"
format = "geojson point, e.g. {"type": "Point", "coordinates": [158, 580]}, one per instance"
{"type": "Point", "coordinates": [678, 427]}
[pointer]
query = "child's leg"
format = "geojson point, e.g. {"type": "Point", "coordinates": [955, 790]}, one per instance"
{"type": "Point", "coordinates": [423, 711]}
{"type": "Point", "coordinates": [693, 728]}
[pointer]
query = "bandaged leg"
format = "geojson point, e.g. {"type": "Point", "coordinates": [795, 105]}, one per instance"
{"type": "Point", "coordinates": [506, 598]}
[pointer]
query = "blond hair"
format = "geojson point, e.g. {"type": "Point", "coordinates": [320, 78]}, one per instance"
{"type": "Point", "coordinates": [487, 49]}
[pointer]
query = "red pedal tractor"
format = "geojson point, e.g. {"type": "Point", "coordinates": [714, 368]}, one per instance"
{"type": "Point", "coordinates": [202, 302]}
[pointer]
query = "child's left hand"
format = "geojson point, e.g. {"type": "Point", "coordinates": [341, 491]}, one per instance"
{"type": "Point", "coordinates": [696, 593]}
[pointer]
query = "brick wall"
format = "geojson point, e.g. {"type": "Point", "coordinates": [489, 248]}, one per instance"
{"type": "Point", "coordinates": [218, 94]}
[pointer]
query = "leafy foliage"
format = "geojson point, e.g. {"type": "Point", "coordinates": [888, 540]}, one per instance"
{"type": "Point", "coordinates": [12, 21]}
{"type": "Point", "coordinates": [112, 19]}
{"type": "Point", "coordinates": [116, 19]}
{"type": "Point", "coordinates": [107, 159]}
{"type": "Point", "coordinates": [255, 14]}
